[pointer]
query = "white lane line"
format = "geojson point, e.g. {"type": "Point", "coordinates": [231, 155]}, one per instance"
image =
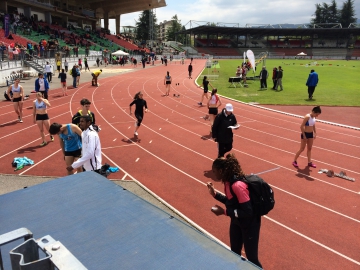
{"type": "Point", "coordinates": [315, 242]}
{"type": "Point", "coordinates": [137, 160]}
{"type": "Point", "coordinates": [114, 140]}
{"type": "Point", "coordinates": [159, 128]}
{"type": "Point", "coordinates": [150, 141]}
{"type": "Point", "coordinates": [120, 146]}
{"type": "Point", "coordinates": [34, 125]}
{"type": "Point", "coordinates": [274, 169]}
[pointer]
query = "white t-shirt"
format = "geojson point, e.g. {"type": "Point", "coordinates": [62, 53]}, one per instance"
{"type": "Point", "coordinates": [42, 85]}
{"type": "Point", "coordinates": [48, 68]}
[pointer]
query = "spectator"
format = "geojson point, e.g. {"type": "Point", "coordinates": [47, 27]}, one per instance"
{"type": "Point", "coordinates": [42, 85]}
{"type": "Point", "coordinates": [264, 74]}
{"type": "Point", "coordinates": [222, 128]}
{"type": "Point", "coordinates": [48, 70]}
{"type": "Point", "coordinates": [279, 79]}
{"type": "Point", "coordinates": [85, 110]}
{"type": "Point", "coordinates": [274, 77]}
{"type": "Point", "coordinates": [73, 73]}
{"type": "Point", "coordinates": [312, 82]}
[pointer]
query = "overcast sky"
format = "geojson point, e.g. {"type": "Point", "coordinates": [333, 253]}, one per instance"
{"type": "Point", "coordinates": [236, 12]}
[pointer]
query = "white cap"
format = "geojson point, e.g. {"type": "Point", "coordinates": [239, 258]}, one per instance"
{"type": "Point", "coordinates": [229, 107]}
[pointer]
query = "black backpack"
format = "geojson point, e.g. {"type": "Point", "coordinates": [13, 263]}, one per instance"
{"type": "Point", "coordinates": [261, 194]}
{"type": "Point", "coordinates": [6, 96]}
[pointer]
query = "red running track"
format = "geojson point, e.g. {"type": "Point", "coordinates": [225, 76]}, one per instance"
{"type": "Point", "coordinates": [316, 221]}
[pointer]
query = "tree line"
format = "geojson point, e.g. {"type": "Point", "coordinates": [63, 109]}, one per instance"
{"type": "Point", "coordinates": [330, 13]}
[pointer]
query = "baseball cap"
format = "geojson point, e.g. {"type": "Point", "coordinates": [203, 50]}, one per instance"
{"type": "Point", "coordinates": [229, 107]}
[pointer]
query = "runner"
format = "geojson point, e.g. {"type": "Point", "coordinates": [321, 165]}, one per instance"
{"type": "Point", "coordinates": [85, 110]}
{"type": "Point", "coordinates": [17, 98]}
{"type": "Point", "coordinates": [140, 103]}
{"type": "Point", "coordinates": [308, 134]}
{"type": "Point", "coordinates": [205, 84]}
{"type": "Point", "coordinates": [62, 77]}
{"type": "Point", "coordinates": [213, 104]}
{"type": "Point", "coordinates": [41, 118]}
{"type": "Point", "coordinates": [70, 142]}
{"type": "Point", "coordinates": [167, 82]}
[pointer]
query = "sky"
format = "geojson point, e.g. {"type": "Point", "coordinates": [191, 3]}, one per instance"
{"type": "Point", "coordinates": [230, 12]}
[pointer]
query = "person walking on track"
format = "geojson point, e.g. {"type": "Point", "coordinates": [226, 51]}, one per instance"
{"type": "Point", "coordinates": [244, 224]}
{"type": "Point", "coordinates": [70, 142]}
{"type": "Point", "coordinates": [140, 108]}
{"type": "Point", "coordinates": [41, 117]}
{"type": "Point", "coordinates": [205, 84]}
{"type": "Point", "coordinates": [308, 134]}
{"type": "Point", "coordinates": [213, 104]}
{"type": "Point", "coordinates": [42, 85]}
{"type": "Point", "coordinates": [167, 82]}
{"type": "Point", "coordinates": [190, 69]}
{"type": "Point", "coordinates": [17, 98]}
{"type": "Point", "coordinates": [62, 76]}
{"type": "Point", "coordinates": [222, 128]}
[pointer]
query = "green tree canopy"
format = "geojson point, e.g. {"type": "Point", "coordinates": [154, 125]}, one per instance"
{"type": "Point", "coordinates": [173, 29]}
{"type": "Point", "coordinates": [347, 13]}
{"type": "Point", "coordinates": [143, 25]}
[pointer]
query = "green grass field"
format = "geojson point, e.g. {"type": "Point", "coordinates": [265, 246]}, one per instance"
{"type": "Point", "coordinates": [339, 82]}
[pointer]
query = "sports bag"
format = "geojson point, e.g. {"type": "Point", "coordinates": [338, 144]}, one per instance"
{"type": "Point", "coordinates": [261, 194]}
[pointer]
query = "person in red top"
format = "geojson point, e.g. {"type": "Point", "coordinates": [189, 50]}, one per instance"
{"type": "Point", "coordinates": [244, 225]}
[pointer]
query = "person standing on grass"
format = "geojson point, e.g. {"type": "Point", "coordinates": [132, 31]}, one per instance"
{"type": "Point", "coordinates": [190, 69]}
{"type": "Point", "coordinates": [205, 84]}
{"type": "Point", "coordinates": [264, 74]}
{"type": "Point", "coordinates": [279, 79]}
{"type": "Point", "coordinates": [312, 82]}
{"type": "Point", "coordinates": [17, 98]}
{"type": "Point", "coordinates": [41, 118]}
{"type": "Point", "coordinates": [91, 148]}
{"type": "Point", "coordinates": [42, 85]}
{"type": "Point", "coordinates": [244, 225]}
{"type": "Point", "coordinates": [308, 134]}
{"type": "Point", "coordinates": [140, 108]}
{"type": "Point", "coordinates": [62, 77]}
{"type": "Point", "coordinates": [222, 131]}
{"type": "Point", "coordinates": [213, 105]}
{"type": "Point", "coordinates": [167, 82]}
{"type": "Point", "coordinates": [70, 142]}
{"type": "Point", "coordinates": [274, 77]}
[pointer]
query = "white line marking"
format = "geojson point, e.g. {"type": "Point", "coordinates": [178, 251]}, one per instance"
{"type": "Point", "coordinates": [137, 160]}
{"type": "Point", "coordinates": [150, 141]}
{"type": "Point", "coordinates": [159, 128]}
{"type": "Point", "coordinates": [312, 240]}
{"type": "Point", "coordinates": [41, 161]}
{"type": "Point", "coordinates": [114, 140]}
{"type": "Point", "coordinates": [274, 169]}
{"type": "Point", "coordinates": [126, 145]}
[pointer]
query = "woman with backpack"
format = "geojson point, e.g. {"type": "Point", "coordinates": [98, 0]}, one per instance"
{"type": "Point", "coordinates": [244, 224]}
{"type": "Point", "coordinates": [213, 104]}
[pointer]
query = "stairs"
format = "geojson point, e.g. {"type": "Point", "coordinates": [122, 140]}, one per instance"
{"type": "Point", "coordinates": [35, 65]}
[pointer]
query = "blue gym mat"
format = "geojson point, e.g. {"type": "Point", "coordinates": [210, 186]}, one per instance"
{"type": "Point", "coordinates": [107, 227]}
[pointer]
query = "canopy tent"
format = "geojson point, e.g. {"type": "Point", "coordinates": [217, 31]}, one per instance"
{"type": "Point", "coordinates": [301, 54]}
{"type": "Point", "coordinates": [119, 52]}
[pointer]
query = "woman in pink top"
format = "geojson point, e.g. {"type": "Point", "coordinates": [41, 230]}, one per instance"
{"type": "Point", "coordinates": [244, 225]}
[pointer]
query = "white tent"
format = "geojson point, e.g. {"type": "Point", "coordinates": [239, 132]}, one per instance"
{"type": "Point", "coordinates": [301, 54]}
{"type": "Point", "coordinates": [119, 52]}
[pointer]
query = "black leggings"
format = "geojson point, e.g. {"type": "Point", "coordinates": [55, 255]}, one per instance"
{"type": "Point", "coordinates": [247, 235]}
{"type": "Point", "coordinates": [139, 118]}
{"type": "Point", "coordinates": [224, 148]}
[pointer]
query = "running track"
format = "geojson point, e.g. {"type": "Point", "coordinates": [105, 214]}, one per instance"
{"type": "Point", "coordinates": [316, 220]}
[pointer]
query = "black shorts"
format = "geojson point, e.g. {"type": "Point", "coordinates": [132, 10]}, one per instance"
{"type": "Point", "coordinates": [213, 111]}
{"type": "Point", "coordinates": [168, 82]}
{"type": "Point", "coordinates": [40, 117]}
{"type": "Point", "coordinates": [76, 153]}
{"type": "Point", "coordinates": [18, 99]}
{"type": "Point", "coordinates": [309, 135]}
{"type": "Point", "coordinates": [58, 68]}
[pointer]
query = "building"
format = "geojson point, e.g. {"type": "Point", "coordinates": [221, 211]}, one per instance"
{"type": "Point", "coordinates": [162, 29]}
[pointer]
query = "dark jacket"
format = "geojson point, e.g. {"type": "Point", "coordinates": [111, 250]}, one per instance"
{"type": "Point", "coordinates": [76, 118]}
{"type": "Point", "coordinates": [279, 74]}
{"type": "Point", "coordinates": [264, 74]}
{"type": "Point", "coordinates": [220, 130]}
{"type": "Point", "coordinates": [74, 72]}
{"type": "Point", "coordinates": [190, 68]}
{"type": "Point", "coordinates": [275, 72]}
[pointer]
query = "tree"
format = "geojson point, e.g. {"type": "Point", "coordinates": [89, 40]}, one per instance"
{"type": "Point", "coordinates": [173, 29]}
{"type": "Point", "coordinates": [347, 13]}
{"type": "Point", "coordinates": [143, 25]}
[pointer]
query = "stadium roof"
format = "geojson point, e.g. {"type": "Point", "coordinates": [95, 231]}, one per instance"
{"type": "Point", "coordinates": [260, 31]}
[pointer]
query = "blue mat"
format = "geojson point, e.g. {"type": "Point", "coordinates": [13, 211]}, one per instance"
{"type": "Point", "coordinates": [107, 227]}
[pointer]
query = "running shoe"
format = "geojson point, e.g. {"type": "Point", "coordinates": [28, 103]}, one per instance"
{"type": "Point", "coordinates": [295, 164]}
{"type": "Point", "coordinates": [136, 133]}
{"type": "Point", "coordinates": [199, 103]}
{"type": "Point", "coordinates": [310, 164]}
{"type": "Point", "coordinates": [43, 144]}
{"type": "Point", "coordinates": [20, 120]}
{"type": "Point", "coordinates": [52, 138]}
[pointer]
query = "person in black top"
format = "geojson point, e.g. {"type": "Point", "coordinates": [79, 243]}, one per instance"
{"type": "Point", "coordinates": [62, 77]}
{"type": "Point", "coordinates": [222, 128]}
{"type": "Point", "coordinates": [205, 84]}
{"type": "Point", "coordinates": [140, 104]}
{"type": "Point", "coordinates": [85, 110]}
{"type": "Point", "coordinates": [190, 69]}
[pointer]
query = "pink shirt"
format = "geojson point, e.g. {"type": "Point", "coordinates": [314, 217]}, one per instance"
{"type": "Point", "coordinates": [240, 189]}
